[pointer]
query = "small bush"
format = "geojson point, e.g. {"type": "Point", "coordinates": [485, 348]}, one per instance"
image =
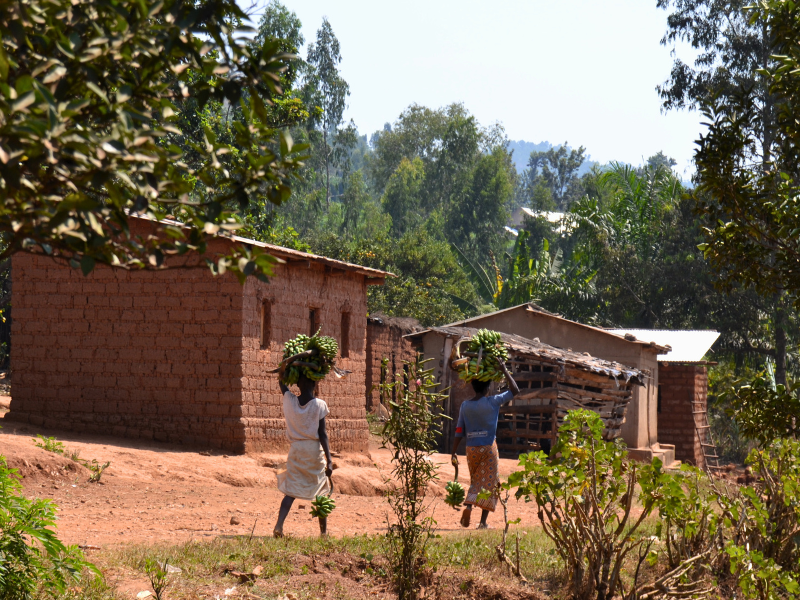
{"type": "Point", "coordinates": [50, 444]}
{"type": "Point", "coordinates": [764, 521]}
{"type": "Point", "coordinates": [32, 558]}
{"type": "Point", "coordinates": [585, 493]}
{"type": "Point", "coordinates": [411, 433]}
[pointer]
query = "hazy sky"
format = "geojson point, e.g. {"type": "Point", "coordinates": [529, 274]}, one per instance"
{"type": "Point", "coordinates": [582, 71]}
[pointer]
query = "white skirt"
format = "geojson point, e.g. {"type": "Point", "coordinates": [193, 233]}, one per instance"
{"type": "Point", "coordinates": [304, 477]}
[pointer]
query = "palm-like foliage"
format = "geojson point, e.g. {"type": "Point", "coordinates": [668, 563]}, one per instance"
{"type": "Point", "coordinates": [623, 234]}
{"type": "Point", "coordinates": [631, 218]}
{"type": "Point", "coordinates": [527, 276]}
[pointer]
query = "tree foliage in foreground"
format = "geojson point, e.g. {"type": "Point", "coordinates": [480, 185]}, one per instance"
{"type": "Point", "coordinates": [32, 558]}
{"type": "Point", "coordinates": [89, 94]}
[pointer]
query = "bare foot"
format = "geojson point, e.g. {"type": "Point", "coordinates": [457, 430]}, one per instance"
{"type": "Point", "coordinates": [465, 517]}
{"type": "Point", "coordinates": [277, 533]}
{"type": "Point", "coordinates": [483, 526]}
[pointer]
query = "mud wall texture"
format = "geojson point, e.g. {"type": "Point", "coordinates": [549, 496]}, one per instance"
{"type": "Point", "coordinates": [303, 298]}
{"type": "Point", "coordinates": [154, 355]}
{"type": "Point", "coordinates": [385, 340]}
{"type": "Point", "coordinates": [679, 386]}
{"type": "Point", "coordinates": [179, 355]}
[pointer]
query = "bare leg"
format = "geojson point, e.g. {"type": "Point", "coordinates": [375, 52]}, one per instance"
{"type": "Point", "coordinates": [286, 506]}
{"type": "Point", "coordinates": [484, 516]}
{"type": "Point", "coordinates": [323, 526]}
{"type": "Point", "coordinates": [466, 515]}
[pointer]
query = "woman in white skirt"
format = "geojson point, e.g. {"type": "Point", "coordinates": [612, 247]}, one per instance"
{"type": "Point", "coordinates": [309, 464]}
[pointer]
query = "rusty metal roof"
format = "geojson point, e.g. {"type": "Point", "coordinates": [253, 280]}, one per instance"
{"type": "Point", "coordinates": [582, 361]}
{"type": "Point", "coordinates": [287, 253]}
{"type": "Point", "coordinates": [686, 346]}
{"type": "Point", "coordinates": [297, 255]}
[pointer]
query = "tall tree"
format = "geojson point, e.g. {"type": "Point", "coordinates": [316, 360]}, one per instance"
{"type": "Point", "coordinates": [735, 45]}
{"type": "Point", "coordinates": [324, 56]}
{"type": "Point", "coordinates": [478, 212]}
{"type": "Point", "coordinates": [749, 176]}
{"type": "Point", "coordinates": [402, 199]}
{"type": "Point", "coordinates": [551, 179]}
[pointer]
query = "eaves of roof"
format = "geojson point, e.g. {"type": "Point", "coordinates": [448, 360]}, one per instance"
{"type": "Point", "coordinates": [294, 256]}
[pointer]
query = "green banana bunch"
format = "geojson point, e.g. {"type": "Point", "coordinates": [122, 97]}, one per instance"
{"type": "Point", "coordinates": [327, 348]}
{"type": "Point", "coordinates": [488, 348]}
{"type": "Point", "coordinates": [322, 506]}
{"type": "Point", "coordinates": [455, 494]}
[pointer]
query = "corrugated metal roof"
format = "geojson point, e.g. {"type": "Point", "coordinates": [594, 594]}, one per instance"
{"type": "Point", "coordinates": [687, 345]}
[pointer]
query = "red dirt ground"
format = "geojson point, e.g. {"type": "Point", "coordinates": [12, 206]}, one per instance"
{"type": "Point", "coordinates": [154, 492]}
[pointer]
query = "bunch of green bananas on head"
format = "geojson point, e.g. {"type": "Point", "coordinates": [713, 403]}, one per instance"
{"type": "Point", "coordinates": [484, 351]}
{"type": "Point", "coordinates": [321, 362]}
{"type": "Point", "coordinates": [322, 506]}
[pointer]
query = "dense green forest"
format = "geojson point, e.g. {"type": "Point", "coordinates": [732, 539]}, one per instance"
{"type": "Point", "coordinates": [430, 195]}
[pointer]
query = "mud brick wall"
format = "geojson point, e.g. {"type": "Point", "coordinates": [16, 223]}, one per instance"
{"type": "Point", "coordinates": [289, 297]}
{"type": "Point", "coordinates": [679, 385]}
{"type": "Point", "coordinates": [153, 355]}
{"type": "Point", "coordinates": [384, 340]}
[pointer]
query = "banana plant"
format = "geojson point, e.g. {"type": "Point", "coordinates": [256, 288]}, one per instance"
{"type": "Point", "coordinates": [527, 275]}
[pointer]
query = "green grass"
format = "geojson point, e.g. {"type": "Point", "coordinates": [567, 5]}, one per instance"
{"type": "Point", "coordinates": [206, 565]}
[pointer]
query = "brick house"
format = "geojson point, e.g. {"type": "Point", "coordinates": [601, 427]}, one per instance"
{"type": "Point", "coordinates": [385, 340]}
{"type": "Point", "coordinates": [682, 389]}
{"type": "Point", "coordinates": [180, 355]}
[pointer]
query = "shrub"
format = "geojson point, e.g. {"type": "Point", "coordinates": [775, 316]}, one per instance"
{"type": "Point", "coordinates": [32, 558]}
{"type": "Point", "coordinates": [585, 492]}
{"type": "Point", "coordinates": [411, 432]}
{"type": "Point", "coordinates": [764, 521]}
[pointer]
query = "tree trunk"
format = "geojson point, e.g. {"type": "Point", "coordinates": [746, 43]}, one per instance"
{"type": "Point", "coordinates": [327, 168]}
{"type": "Point", "coordinates": [780, 340]}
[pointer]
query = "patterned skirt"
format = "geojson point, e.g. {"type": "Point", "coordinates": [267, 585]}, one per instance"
{"type": "Point", "coordinates": [484, 474]}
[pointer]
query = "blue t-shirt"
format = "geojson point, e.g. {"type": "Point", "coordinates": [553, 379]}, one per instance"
{"type": "Point", "coordinates": [477, 419]}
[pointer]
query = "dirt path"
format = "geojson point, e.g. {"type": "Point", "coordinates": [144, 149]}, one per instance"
{"type": "Point", "coordinates": [156, 492]}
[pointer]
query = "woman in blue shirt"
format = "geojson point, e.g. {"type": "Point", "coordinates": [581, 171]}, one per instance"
{"type": "Point", "coordinates": [477, 422]}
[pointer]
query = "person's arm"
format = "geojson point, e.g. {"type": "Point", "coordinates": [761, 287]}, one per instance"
{"type": "Point", "coordinates": [459, 436]}
{"type": "Point", "coordinates": [454, 457]}
{"type": "Point", "coordinates": [323, 440]}
{"type": "Point", "coordinates": [281, 372]}
{"type": "Point", "coordinates": [512, 385]}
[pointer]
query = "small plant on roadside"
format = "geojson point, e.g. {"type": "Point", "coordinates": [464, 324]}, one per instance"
{"type": "Point", "coordinates": [502, 492]}
{"type": "Point", "coordinates": [32, 558]}
{"type": "Point", "coordinates": [689, 525]}
{"type": "Point", "coordinates": [411, 433]}
{"type": "Point", "coordinates": [158, 574]}
{"type": "Point", "coordinates": [96, 469]}
{"type": "Point", "coordinates": [50, 444]}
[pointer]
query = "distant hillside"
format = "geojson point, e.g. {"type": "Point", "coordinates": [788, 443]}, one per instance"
{"type": "Point", "coordinates": [522, 150]}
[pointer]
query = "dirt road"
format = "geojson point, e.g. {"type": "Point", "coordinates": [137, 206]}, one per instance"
{"type": "Point", "coordinates": [157, 492]}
